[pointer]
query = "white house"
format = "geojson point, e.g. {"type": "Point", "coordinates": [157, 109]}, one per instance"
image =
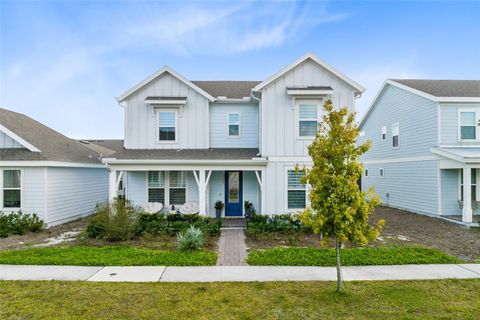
{"type": "Point", "coordinates": [234, 141]}
{"type": "Point", "coordinates": [44, 172]}
{"type": "Point", "coordinates": [425, 146]}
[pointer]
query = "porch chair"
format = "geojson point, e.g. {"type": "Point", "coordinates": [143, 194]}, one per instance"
{"type": "Point", "coordinates": [153, 207]}
{"type": "Point", "coordinates": [189, 208]}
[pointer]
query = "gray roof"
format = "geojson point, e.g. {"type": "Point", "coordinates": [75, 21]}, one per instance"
{"type": "Point", "coordinates": [117, 151]}
{"type": "Point", "coordinates": [229, 89]}
{"type": "Point", "coordinates": [53, 145]}
{"type": "Point", "coordinates": [444, 88]}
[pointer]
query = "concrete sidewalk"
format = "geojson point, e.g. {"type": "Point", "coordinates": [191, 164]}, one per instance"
{"type": "Point", "coordinates": [237, 273]}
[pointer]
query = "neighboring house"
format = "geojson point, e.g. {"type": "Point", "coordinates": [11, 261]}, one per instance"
{"type": "Point", "coordinates": [44, 172]}
{"type": "Point", "coordinates": [234, 141]}
{"type": "Point", "coordinates": [425, 146]}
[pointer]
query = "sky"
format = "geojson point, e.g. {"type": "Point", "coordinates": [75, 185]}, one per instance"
{"type": "Point", "coordinates": [64, 62]}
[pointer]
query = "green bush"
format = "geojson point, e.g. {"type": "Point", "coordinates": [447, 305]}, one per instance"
{"type": "Point", "coordinates": [114, 222]}
{"type": "Point", "coordinates": [190, 239]}
{"type": "Point", "coordinates": [19, 223]}
{"type": "Point", "coordinates": [282, 223]}
{"type": "Point", "coordinates": [151, 224]}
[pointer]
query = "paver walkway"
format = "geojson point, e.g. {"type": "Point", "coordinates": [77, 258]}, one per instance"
{"type": "Point", "coordinates": [238, 273]}
{"type": "Point", "coordinates": [231, 248]}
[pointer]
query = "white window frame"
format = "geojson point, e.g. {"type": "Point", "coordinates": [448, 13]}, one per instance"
{"type": "Point", "coordinates": [167, 205]}
{"type": "Point", "coordinates": [6, 209]}
{"type": "Point", "coordinates": [234, 123]}
{"type": "Point", "coordinates": [157, 127]}
{"type": "Point", "coordinates": [384, 133]}
{"type": "Point", "coordinates": [298, 102]}
{"type": "Point", "coordinates": [477, 127]}
{"type": "Point", "coordinates": [164, 186]}
{"type": "Point", "coordinates": [475, 183]}
{"type": "Point", "coordinates": [398, 135]}
{"type": "Point", "coordinates": [307, 192]}
{"type": "Point", "coordinates": [381, 172]}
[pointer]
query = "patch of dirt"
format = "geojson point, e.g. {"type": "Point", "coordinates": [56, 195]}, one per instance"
{"type": "Point", "coordinates": [402, 228]}
{"type": "Point", "coordinates": [44, 236]}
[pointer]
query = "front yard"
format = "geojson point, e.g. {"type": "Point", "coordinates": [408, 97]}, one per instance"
{"type": "Point", "coordinates": [440, 299]}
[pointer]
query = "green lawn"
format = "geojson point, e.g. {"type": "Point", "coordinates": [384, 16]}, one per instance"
{"type": "Point", "coordinates": [440, 299]}
{"type": "Point", "coordinates": [349, 257]}
{"type": "Point", "coordinates": [107, 256]}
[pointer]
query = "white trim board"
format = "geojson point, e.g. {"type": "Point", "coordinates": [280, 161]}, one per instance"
{"type": "Point", "coordinates": [315, 59]}
{"type": "Point", "coordinates": [398, 160]}
{"type": "Point", "coordinates": [33, 163]}
{"type": "Point", "coordinates": [19, 139]}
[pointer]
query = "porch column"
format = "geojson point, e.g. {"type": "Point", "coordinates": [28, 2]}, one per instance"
{"type": "Point", "coordinates": [263, 195]}
{"type": "Point", "coordinates": [202, 188]}
{"type": "Point", "coordinates": [112, 185]}
{"type": "Point", "coordinates": [467, 215]}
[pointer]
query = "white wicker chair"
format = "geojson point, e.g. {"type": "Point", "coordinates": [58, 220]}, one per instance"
{"type": "Point", "coordinates": [153, 207]}
{"type": "Point", "coordinates": [189, 208]}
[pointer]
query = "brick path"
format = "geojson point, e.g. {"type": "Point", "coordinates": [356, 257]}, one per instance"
{"type": "Point", "coordinates": [232, 249]}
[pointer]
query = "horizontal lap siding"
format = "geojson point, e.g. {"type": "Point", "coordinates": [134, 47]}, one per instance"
{"type": "Point", "coordinates": [137, 187]}
{"type": "Point", "coordinates": [251, 190]}
{"type": "Point", "coordinates": [417, 118]}
{"type": "Point", "coordinates": [411, 185]}
{"type": "Point", "coordinates": [216, 191]}
{"type": "Point", "coordinates": [449, 122]}
{"type": "Point", "coordinates": [74, 192]}
{"type": "Point", "coordinates": [450, 192]}
{"type": "Point", "coordinates": [248, 126]}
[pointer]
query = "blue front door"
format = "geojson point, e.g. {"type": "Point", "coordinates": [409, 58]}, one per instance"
{"type": "Point", "coordinates": [233, 193]}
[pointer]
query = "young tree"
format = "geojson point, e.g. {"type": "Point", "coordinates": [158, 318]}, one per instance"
{"type": "Point", "coordinates": [338, 209]}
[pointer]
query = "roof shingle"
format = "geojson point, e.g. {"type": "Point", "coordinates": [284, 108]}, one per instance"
{"type": "Point", "coordinates": [444, 88]}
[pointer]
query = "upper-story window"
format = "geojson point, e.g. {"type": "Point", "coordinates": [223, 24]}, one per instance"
{"type": "Point", "coordinates": [395, 135]}
{"type": "Point", "coordinates": [233, 119]}
{"type": "Point", "coordinates": [307, 120]}
{"type": "Point", "coordinates": [167, 125]}
{"type": "Point", "coordinates": [384, 133]}
{"type": "Point", "coordinates": [469, 122]}
{"type": "Point", "coordinates": [12, 188]}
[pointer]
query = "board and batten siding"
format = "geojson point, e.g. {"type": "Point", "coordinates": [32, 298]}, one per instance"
{"type": "Point", "coordinates": [141, 123]}
{"type": "Point", "coordinates": [406, 185]}
{"type": "Point", "coordinates": [74, 192]}
{"type": "Point", "coordinates": [449, 122]}
{"type": "Point", "coordinates": [6, 142]}
{"type": "Point", "coordinates": [279, 135]}
{"type": "Point", "coordinates": [248, 125]}
{"type": "Point", "coordinates": [417, 119]}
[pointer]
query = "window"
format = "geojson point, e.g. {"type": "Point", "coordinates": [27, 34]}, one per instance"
{"type": "Point", "coordinates": [382, 172]}
{"type": "Point", "coordinates": [468, 124]}
{"type": "Point", "coordinates": [384, 133]}
{"type": "Point", "coordinates": [234, 124]}
{"type": "Point", "coordinates": [156, 186]}
{"type": "Point", "coordinates": [474, 184]}
{"type": "Point", "coordinates": [395, 135]}
{"type": "Point", "coordinates": [177, 187]}
{"type": "Point", "coordinates": [12, 188]}
{"type": "Point", "coordinates": [167, 126]}
{"type": "Point", "coordinates": [366, 172]}
{"type": "Point", "coordinates": [307, 120]}
{"type": "Point", "coordinates": [296, 190]}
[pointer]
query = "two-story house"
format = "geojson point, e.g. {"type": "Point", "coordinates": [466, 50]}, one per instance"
{"type": "Point", "coordinates": [425, 146]}
{"type": "Point", "coordinates": [234, 141]}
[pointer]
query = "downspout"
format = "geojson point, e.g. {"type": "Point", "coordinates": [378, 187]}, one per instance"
{"type": "Point", "coordinates": [261, 118]}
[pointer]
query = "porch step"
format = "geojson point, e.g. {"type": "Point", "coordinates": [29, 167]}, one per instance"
{"type": "Point", "coordinates": [236, 223]}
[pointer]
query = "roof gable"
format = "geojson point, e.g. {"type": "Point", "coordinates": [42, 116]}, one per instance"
{"type": "Point", "coordinates": [165, 69]}
{"type": "Point", "coordinates": [310, 56]}
{"type": "Point", "coordinates": [12, 135]}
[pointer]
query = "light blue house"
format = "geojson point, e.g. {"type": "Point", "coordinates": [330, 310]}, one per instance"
{"type": "Point", "coordinates": [197, 142]}
{"type": "Point", "coordinates": [425, 146]}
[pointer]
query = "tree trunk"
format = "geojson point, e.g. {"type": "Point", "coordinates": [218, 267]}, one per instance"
{"type": "Point", "coordinates": [338, 247]}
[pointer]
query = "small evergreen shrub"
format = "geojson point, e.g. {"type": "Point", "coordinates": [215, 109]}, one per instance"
{"type": "Point", "coordinates": [281, 223]}
{"type": "Point", "coordinates": [190, 239]}
{"type": "Point", "coordinates": [19, 223]}
{"type": "Point", "coordinates": [151, 224]}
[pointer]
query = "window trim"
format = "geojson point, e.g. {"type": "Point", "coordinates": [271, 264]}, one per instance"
{"type": "Point", "coordinates": [381, 172]}
{"type": "Point", "coordinates": [397, 124]}
{"type": "Point", "coordinates": [384, 133]}
{"type": "Point", "coordinates": [365, 172]}
{"type": "Point", "coordinates": [475, 183]}
{"type": "Point", "coordinates": [459, 124]}
{"type": "Point", "coordinates": [167, 188]}
{"type": "Point", "coordinates": [12, 209]}
{"type": "Point", "coordinates": [157, 126]}
{"type": "Point", "coordinates": [307, 192]}
{"type": "Point", "coordinates": [239, 125]}
{"type": "Point", "coordinates": [298, 102]}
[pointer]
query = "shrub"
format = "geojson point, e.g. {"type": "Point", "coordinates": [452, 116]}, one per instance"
{"type": "Point", "coordinates": [151, 224]}
{"type": "Point", "coordinates": [282, 223]}
{"type": "Point", "coordinates": [19, 223]}
{"type": "Point", "coordinates": [114, 222]}
{"type": "Point", "coordinates": [190, 239]}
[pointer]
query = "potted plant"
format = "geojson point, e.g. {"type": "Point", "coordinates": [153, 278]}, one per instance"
{"type": "Point", "coordinates": [249, 210]}
{"type": "Point", "coordinates": [219, 205]}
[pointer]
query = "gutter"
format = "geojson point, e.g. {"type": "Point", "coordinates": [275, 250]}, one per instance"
{"type": "Point", "coordinates": [251, 162]}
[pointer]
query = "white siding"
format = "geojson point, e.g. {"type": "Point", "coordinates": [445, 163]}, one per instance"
{"type": "Point", "coordinates": [280, 121]}
{"type": "Point", "coordinates": [6, 142]}
{"type": "Point", "coordinates": [140, 118]}
{"type": "Point", "coordinates": [137, 187]}
{"type": "Point", "coordinates": [449, 122]}
{"type": "Point", "coordinates": [74, 192]}
{"type": "Point", "coordinates": [450, 189]}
